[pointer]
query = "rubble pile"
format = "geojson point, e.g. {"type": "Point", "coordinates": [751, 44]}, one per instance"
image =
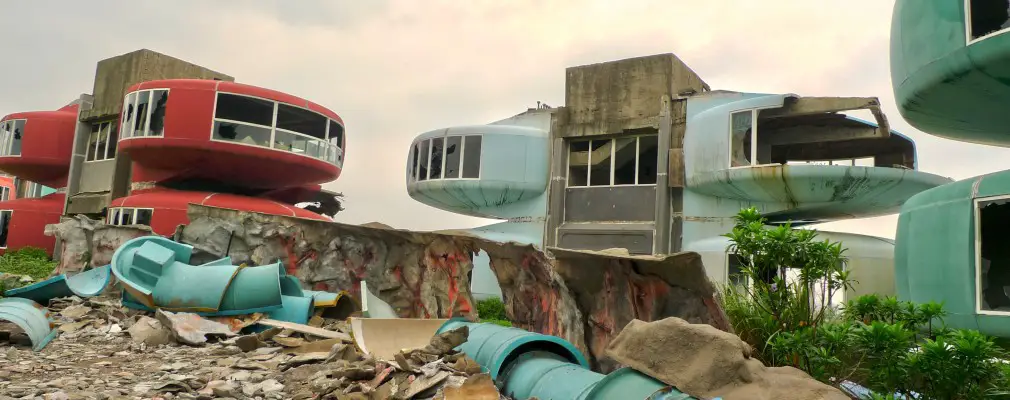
{"type": "Point", "coordinates": [106, 351]}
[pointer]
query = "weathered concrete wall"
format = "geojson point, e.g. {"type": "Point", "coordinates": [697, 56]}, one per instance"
{"type": "Point", "coordinates": [114, 75]}
{"type": "Point", "coordinates": [608, 98]}
{"type": "Point", "coordinates": [96, 176]}
{"type": "Point", "coordinates": [84, 241]}
{"type": "Point", "coordinates": [583, 297]}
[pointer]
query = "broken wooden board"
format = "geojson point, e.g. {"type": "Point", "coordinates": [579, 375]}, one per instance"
{"type": "Point", "coordinates": [310, 330]}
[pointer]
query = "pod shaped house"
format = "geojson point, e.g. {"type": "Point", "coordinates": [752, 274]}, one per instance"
{"type": "Point", "coordinates": [950, 67]}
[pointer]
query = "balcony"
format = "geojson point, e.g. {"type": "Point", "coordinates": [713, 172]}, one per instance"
{"type": "Point", "coordinates": [245, 135]}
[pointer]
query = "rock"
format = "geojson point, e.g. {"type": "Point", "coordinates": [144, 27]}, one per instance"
{"type": "Point", "coordinates": [249, 343]}
{"type": "Point", "coordinates": [446, 341]}
{"type": "Point", "coordinates": [76, 311]}
{"type": "Point", "coordinates": [150, 331]}
{"type": "Point", "coordinates": [192, 329]}
{"type": "Point", "coordinates": [476, 387]}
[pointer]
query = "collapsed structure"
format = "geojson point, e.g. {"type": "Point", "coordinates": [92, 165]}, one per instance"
{"type": "Point", "coordinates": [157, 134]}
{"type": "Point", "coordinates": [646, 158]}
{"type": "Point", "coordinates": [949, 75]}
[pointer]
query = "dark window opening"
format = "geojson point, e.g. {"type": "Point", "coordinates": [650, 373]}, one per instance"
{"type": "Point", "coordinates": [337, 132]}
{"type": "Point", "coordinates": [5, 222]}
{"type": "Point", "coordinates": [471, 156]}
{"type": "Point", "coordinates": [648, 159]}
{"type": "Point", "coordinates": [599, 162]}
{"type": "Point", "coordinates": [422, 169]}
{"type": "Point", "coordinates": [994, 268]}
{"type": "Point", "coordinates": [126, 216]}
{"type": "Point", "coordinates": [93, 142]}
{"type": "Point", "coordinates": [578, 163]}
{"type": "Point", "coordinates": [143, 216]}
{"type": "Point", "coordinates": [453, 146]}
{"type": "Point", "coordinates": [436, 159]}
{"type": "Point", "coordinates": [987, 17]}
{"type": "Point", "coordinates": [160, 98]}
{"type": "Point", "coordinates": [243, 109]}
{"type": "Point", "coordinates": [110, 152]}
{"type": "Point", "coordinates": [300, 120]}
{"type": "Point", "coordinates": [624, 161]}
{"type": "Point", "coordinates": [140, 122]}
{"type": "Point", "coordinates": [413, 160]}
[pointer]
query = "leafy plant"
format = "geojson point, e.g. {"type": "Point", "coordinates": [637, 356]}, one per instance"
{"type": "Point", "coordinates": [493, 310]}
{"type": "Point", "coordinates": [31, 261]}
{"type": "Point", "coordinates": [893, 347]}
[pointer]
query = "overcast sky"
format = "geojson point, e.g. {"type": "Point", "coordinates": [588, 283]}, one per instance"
{"type": "Point", "coordinates": [395, 69]}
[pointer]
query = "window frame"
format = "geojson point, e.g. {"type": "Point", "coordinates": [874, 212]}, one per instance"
{"type": "Point", "coordinates": [147, 122]}
{"type": "Point", "coordinates": [330, 153]}
{"type": "Point", "coordinates": [108, 142]}
{"type": "Point", "coordinates": [414, 170]}
{"type": "Point", "coordinates": [117, 213]}
{"type": "Point", "coordinates": [967, 28]}
{"type": "Point", "coordinates": [977, 219]}
{"type": "Point", "coordinates": [5, 193]}
{"type": "Point", "coordinates": [613, 161]}
{"type": "Point", "coordinates": [7, 141]}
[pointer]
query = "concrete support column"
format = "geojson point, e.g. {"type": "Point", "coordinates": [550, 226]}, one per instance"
{"type": "Point", "coordinates": [661, 240]}
{"type": "Point", "coordinates": [80, 149]}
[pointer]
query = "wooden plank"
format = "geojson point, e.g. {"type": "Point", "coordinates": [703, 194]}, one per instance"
{"type": "Point", "coordinates": [311, 330]}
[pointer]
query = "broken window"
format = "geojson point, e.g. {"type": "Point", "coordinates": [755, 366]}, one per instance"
{"type": "Point", "coordinates": [471, 156]}
{"type": "Point", "coordinates": [5, 222]}
{"type": "Point", "coordinates": [629, 160]}
{"type": "Point", "coordinates": [131, 101]}
{"type": "Point", "coordinates": [734, 270]}
{"type": "Point", "coordinates": [337, 132]}
{"type": "Point", "coordinates": [987, 18]}
{"type": "Point", "coordinates": [453, 151]}
{"type": "Point", "coordinates": [160, 99]}
{"type": "Point", "coordinates": [415, 152]}
{"type": "Point", "coordinates": [142, 216]}
{"type": "Point", "coordinates": [16, 135]}
{"type": "Point", "coordinates": [741, 127]}
{"type": "Point", "coordinates": [5, 193]}
{"type": "Point", "coordinates": [993, 262]}
{"type": "Point", "coordinates": [435, 168]}
{"type": "Point", "coordinates": [242, 133]}
{"type": "Point", "coordinates": [33, 190]}
{"type": "Point", "coordinates": [11, 133]}
{"type": "Point", "coordinates": [140, 120]}
{"type": "Point", "coordinates": [422, 167]}
{"type": "Point", "coordinates": [130, 216]}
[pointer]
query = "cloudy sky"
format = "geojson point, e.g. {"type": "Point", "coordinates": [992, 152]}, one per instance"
{"type": "Point", "coordinates": [394, 69]}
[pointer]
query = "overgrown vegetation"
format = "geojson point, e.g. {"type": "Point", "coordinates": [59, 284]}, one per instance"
{"type": "Point", "coordinates": [492, 310]}
{"type": "Point", "coordinates": [887, 345]}
{"type": "Point", "coordinates": [30, 261]}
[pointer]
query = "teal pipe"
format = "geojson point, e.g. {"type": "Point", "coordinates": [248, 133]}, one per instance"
{"type": "Point", "coordinates": [525, 364]}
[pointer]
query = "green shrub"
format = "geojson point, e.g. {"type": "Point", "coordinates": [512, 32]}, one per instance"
{"type": "Point", "coordinates": [492, 310]}
{"type": "Point", "coordinates": [31, 261]}
{"type": "Point", "coordinates": [885, 344]}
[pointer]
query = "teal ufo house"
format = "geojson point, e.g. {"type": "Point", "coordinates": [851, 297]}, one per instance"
{"type": "Point", "coordinates": [645, 157]}
{"type": "Point", "coordinates": [950, 71]}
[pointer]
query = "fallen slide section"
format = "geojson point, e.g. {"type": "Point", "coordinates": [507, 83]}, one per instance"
{"type": "Point", "coordinates": [85, 284]}
{"type": "Point", "coordinates": [34, 319]}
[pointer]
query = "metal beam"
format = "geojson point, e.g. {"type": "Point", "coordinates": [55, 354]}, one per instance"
{"type": "Point", "coordinates": [795, 106]}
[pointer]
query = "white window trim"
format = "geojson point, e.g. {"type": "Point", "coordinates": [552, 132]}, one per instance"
{"type": "Point", "coordinates": [416, 166]}
{"type": "Point", "coordinates": [7, 140]}
{"type": "Point", "coordinates": [116, 214]}
{"type": "Point", "coordinates": [329, 153]}
{"type": "Point", "coordinates": [147, 122]}
{"type": "Point", "coordinates": [8, 227]}
{"type": "Point", "coordinates": [967, 27]}
{"type": "Point", "coordinates": [108, 140]}
{"type": "Point", "coordinates": [977, 215]}
{"type": "Point", "coordinates": [613, 153]}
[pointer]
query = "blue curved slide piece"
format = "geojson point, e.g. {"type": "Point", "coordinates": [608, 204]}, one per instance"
{"type": "Point", "coordinates": [525, 364]}
{"type": "Point", "coordinates": [85, 284]}
{"type": "Point", "coordinates": [31, 317]}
